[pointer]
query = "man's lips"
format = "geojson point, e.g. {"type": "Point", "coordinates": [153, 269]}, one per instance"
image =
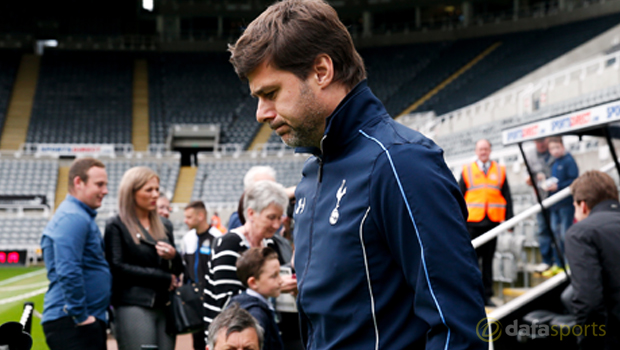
{"type": "Point", "coordinates": [279, 128]}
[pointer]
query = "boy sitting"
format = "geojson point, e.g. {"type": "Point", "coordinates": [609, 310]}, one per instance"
{"type": "Point", "coordinates": [259, 271]}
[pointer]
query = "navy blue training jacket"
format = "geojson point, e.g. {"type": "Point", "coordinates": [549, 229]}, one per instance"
{"type": "Point", "coordinates": [383, 257]}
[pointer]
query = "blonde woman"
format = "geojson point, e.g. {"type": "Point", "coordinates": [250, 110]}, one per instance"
{"type": "Point", "coordinates": [145, 265]}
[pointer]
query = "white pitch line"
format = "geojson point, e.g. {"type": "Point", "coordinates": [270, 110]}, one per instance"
{"type": "Point", "coordinates": [24, 276]}
{"type": "Point", "coordinates": [23, 296]}
{"type": "Point", "coordinates": [25, 286]}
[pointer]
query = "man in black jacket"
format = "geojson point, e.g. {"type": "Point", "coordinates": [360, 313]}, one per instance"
{"type": "Point", "coordinates": [593, 253]}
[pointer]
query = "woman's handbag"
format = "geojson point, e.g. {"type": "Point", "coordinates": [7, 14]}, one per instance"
{"type": "Point", "coordinates": [185, 310]}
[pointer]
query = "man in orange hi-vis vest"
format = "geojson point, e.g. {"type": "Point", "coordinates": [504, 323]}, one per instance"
{"type": "Point", "coordinates": [487, 195]}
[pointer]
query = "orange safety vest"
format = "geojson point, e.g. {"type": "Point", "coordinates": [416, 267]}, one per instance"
{"type": "Point", "coordinates": [484, 192]}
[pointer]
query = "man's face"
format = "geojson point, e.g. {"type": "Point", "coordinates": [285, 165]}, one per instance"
{"type": "Point", "coordinates": [483, 150]}
{"type": "Point", "coordinates": [244, 340]}
{"type": "Point", "coordinates": [163, 207]}
{"type": "Point", "coordinates": [193, 218]}
{"type": "Point", "coordinates": [542, 145]}
{"type": "Point", "coordinates": [288, 105]}
{"type": "Point", "coordinates": [556, 149]}
{"type": "Point", "coordinates": [94, 189]}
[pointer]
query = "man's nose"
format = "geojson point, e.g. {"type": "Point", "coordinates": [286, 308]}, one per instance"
{"type": "Point", "coordinates": [265, 111]}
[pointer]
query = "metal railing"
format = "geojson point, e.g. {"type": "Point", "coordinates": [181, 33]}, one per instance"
{"type": "Point", "coordinates": [533, 293]}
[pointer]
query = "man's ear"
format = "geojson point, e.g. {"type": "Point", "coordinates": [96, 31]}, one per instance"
{"type": "Point", "coordinates": [252, 282]}
{"type": "Point", "coordinates": [584, 208]}
{"type": "Point", "coordinates": [77, 181]}
{"type": "Point", "coordinates": [323, 70]}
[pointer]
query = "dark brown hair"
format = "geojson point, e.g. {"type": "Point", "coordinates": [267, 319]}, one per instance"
{"type": "Point", "coordinates": [80, 168]}
{"type": "Point", "coordinates": [291, 34]}
{"type": "Point", "coordinates": [198, 206]}
{"type": "Point", "coordinates": [594, 187]}
{"type": "Point", "coordinates": [251, 262]}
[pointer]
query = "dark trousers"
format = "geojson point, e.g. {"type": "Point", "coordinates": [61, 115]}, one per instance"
{"type": "Point", "coordinates": [199, 340]}
{"type": "Point", "coordinates": [485, 254]}
{"type": "Point", "coordinates": [63, 334]}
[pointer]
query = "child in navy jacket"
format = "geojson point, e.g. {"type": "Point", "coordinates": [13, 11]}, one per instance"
{"type": "Point", "coordinates": [259, 271]}
{"type": "Point", "coordinates": [565, 170]}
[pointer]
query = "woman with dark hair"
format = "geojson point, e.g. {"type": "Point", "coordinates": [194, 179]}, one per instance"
{"type": "Point", "coordinates": [145, 265]}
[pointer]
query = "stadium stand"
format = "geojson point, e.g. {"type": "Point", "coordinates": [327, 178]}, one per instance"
{"type": "Point", "coordinates": [9, 62]}
{"type": "Point", "coordinates": [25, 232]}
{"type": "Point", "coordinates": [462, 143]}
{"type": "Point", "coordinates": [221, 181]}
{"type": "Point", "coordinates": [518, 55]}
{"type": "Point", "coordinates": [199, 88]}
{"type": "Point", "coordinates": [82, 98]}
{"type": "Point", "coordinates": [28, 177]}
{"type": "Point", "coordinates": [168, 170]}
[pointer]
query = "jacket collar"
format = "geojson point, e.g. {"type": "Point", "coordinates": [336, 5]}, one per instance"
{"type": "Point", "coordinates": [608, 205]}
{"type": "Point", "coordinates": [92, 212]}
{"type": "Point", "coordinates": [358, 108]}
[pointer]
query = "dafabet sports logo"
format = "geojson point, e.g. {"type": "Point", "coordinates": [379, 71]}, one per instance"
{"type": "Point", "coordinates": [489, 329]}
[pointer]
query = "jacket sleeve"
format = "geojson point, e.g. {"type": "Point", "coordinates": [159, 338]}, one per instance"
{"type": "Point", "coordinates": [116, 256]}
{"type": "Point", "coordinates": [586, 276]}
{"type": "Point", "coordinates": [571, 173]}
{"type": "Point", "coordinates": [176, 263]}
{"type": "Point", "coordinates": [508, 197]}
{"type": "Point", "coordinates": [418, 205]}
{"type": "Point", "coordinates": [68, 253]}
{"type": "Point", "coordinates": [462, 185]}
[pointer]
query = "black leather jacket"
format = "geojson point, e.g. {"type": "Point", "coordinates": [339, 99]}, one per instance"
{"type": "Point", "coordinates": [139, 276]}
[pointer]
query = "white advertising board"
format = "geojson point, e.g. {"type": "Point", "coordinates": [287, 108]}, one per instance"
{"type": "Point", "coordinates": [564, 124]}
{"type": "Point", "coordinates": [68, 149]}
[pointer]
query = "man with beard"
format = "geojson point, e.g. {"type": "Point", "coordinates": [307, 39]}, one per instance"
{"type": "Point", "coordinates": [383, 257]}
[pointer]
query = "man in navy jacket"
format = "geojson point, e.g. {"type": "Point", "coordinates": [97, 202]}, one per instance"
{"type": "Point", "coordinates": [383, 257]}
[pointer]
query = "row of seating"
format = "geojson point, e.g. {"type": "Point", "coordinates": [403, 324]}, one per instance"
{"type": "Point", "coordinates": [28, 177]}
{"type": "Point", "coordinates": [518, 55]}
{"type": "Point", "coordinates": [82, 98]}
{"type": "Point", "coordinates": [9, 62]}
{"type": "Point", "coordinates": [222, 182]}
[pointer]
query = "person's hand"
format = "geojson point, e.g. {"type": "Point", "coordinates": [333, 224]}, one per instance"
{"type": "Point", "coordinates": [90, 319]}
{"type": "Point", "coordinates": [552, 187]}
{"type": "Point", "coordinates": [165, 250]}
{"type": "Point", "coordinates": [528, 181]}
{"type": "Point", "coordinates": [289, 285]}
{"type": "Point", "coordinates": [175, 282]}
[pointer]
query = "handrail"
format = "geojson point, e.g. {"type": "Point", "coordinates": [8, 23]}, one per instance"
{"type": "Point", "coordinates": [477, 242]}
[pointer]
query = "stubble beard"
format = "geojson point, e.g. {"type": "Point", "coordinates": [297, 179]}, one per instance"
{"type": "Point", "coordinates": [310, 130]}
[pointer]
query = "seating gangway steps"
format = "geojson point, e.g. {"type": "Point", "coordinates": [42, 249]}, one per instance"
{"type": "Point", "coordinates": [140, 125]}
{"type": "Point", "coordinates": [449, 79]}
{"type": "Point", "coordinates": [185, 185]}
{"type": "Point", "coordinates": [20, 105]}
